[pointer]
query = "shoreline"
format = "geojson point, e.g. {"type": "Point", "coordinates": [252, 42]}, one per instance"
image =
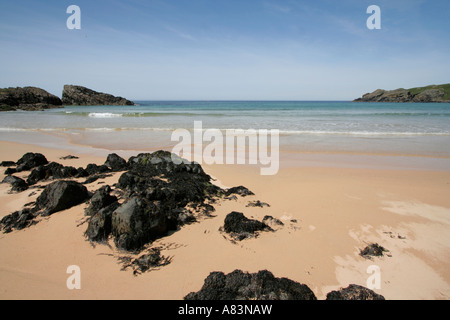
{"type": "Point", "coordinates": [338, 210]}
{"type": "Point", "coordinates": [289, 156]}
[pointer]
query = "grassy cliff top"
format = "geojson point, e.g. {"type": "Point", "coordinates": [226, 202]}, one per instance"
{"type": "Point", "coordinates": [445, 87]}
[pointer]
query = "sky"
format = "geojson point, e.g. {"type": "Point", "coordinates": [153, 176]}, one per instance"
{"type": "Point", "coordinates": [225, 49]}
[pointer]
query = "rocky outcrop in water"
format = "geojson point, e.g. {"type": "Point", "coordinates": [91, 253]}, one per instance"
{"type": "Point", "coordinates": [27, 98]}
{"type": "Point", "coordinates": [82, 96]}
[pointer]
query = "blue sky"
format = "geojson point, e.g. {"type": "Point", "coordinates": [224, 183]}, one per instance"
{"type": "Point", "coordinates": [225, 49]}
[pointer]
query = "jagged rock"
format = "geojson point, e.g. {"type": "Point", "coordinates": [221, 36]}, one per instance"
{"type": "Point", "coordinates": [61, 195]}
{"type": "Point", "coordinates": [430, 95]}
{"type": "Point", "coordinates": [82, 173]}
{"type": "Point", "coordinates": [69, 157]}
{"type": "Point", "coordinates": [81, 96]}
{"type": "Point", "coordinates": [27, 98]}
{"type": "Point", "coordinates": [137, 222]}
{"type": "Point", "coordinates": [17, 220]}
{"type": "Point", "coordinates": [17, 184]}
{"type": "Point", "coordinates": [271, 221]}
{"type": "Point", "coordinates": [240, 227]}
{"type": "Point", "coordinates": [10, 171]}
{"type": "Point", "coordinates": [100, 200]}
{"type": "Point", "coordinates": [238, 285]}
{"type": "Point", "coordinates": [156, 177]}
{"type": "Point", "coordinates": [93, 168]}
{"type": "Point", "coordinates": [354, 292]}
{"type": "Point", "coordinates": [148, 261]}
{"type": "Point", "coordinates": [100, 223]}
{"type": "Point", "coordinates": [30, 161]}
{"type": "Point", "coordinates": [7, 164]}
{"type": "Point", "coordinates": [158, 189]}
{"type": "Point", "coordinates": [257, 204]}
{"type": "Point", "coordinates": [51, 171]}
{"type": "Point", "coordinates": [241, 191]}
{"type": "Point", "coordinates": [115, 163]}
{"type": "Point", "coordinates": [184, 216]}
{"type": "Point", "coordinates": [95, 177]}
{"type": "Point", "coordinates": [373, 250]}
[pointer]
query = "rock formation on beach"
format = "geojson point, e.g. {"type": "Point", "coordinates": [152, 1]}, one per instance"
{"type": "Point", "coordinates": [240, 227]}
{"type": "Point", "coordinates": [239, 285]}
{"type": "Point", "coordinates": [156, 194]}
{"type": "Point", "coordinates": [433, 93]}
{"type": "Point", "coordinates": [27, 98]}
{"type": "Point", "coordinates": [354, 292]}
{"type": "Point", "coordinates": [81, 96]}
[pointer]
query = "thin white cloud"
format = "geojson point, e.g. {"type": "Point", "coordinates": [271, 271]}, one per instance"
{"type": "Point", "coordinates": [180, 33]}
{"type": "Point", "coordinates": [276, 7]}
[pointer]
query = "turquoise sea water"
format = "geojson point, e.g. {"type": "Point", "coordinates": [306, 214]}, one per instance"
{"type": "Point", "coordinates": [408, 128]}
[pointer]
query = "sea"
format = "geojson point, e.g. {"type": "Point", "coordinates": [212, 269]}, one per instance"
{"type": "Point", "coordinates": [403, 129]}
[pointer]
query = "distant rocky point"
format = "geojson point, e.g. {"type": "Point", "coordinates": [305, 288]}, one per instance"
{"type": "Point", "coordinates": [433, 93]}
{"type": "Point", "coordinates": [36, 99]}
{"type": "Point", "coordinates": [81, 96]}
{"type": "Point", "coordinates": [27, 98]}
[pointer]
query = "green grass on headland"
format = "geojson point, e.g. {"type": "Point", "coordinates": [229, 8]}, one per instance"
{"type": "Point", "coordinates": [445, 87]}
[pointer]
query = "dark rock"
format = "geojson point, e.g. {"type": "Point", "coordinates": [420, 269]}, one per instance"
{"type": "Point", "coordinates": [148, 261]}
{"type": "Point", "coordinates": [116, 163]}
{"type": "Point", "coordinates": [17, 184]}
{"type": "Point", "coordinates": [100, 200]}
{"type": "Point", "coordinates": [81, 96]}
{"type": "Point", "coordinates": [100, 223]}
{"type": "Point", "coordinates": [167, 186]}
{"type": "Point", "coordinates": [269, 220]}
{"type": "Point", "coordinates": [95, 177]}
{"type": "Point", "coordinates": [7, 164]}
{"type": "Point", "coordinates": [27, 98]}
{"type": "Point", "coordinates": [430, 95]}
{"type": "Point", "coordinates": [137, 222]}
{"type": "Point", "coordinates": [10, 171]}
{"type": "Point", "coordinates": [31, 160]}
{"type": "Point", "coordinates": [354, 292]}
{"type": "Point", "coordinates": [17, 220]}
{"type": "Point", "coordinates": [61, 195]}
{"type": "Point", "coordinates": [373, 250]}
{"type": "Point", "coordinates": [69, 157]}
{"type": "Point", "coordinates": [92, 169]}
{"type": "Point", "coordinates": [184, 216]}
{"type": "Point", "coordinates": [257, 204]}
{"type": "Point", "coordinates": [51, 171]}
{"type": "Point", "coordinates": [241, 191]}
{"type": "Point", "coordinates": [161, 164]}
{"type": "Point", "coordinates": [81, 173]}
{"type": "Point", "coordinates": [244, 286]}
{"type": "Point", "coordinates": [91, 179]}
{"type": "Point", "coordinates": [240, 227]}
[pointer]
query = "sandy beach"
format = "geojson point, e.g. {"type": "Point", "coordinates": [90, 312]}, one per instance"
{"type": "Point", "coordinates": [330, 213]}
